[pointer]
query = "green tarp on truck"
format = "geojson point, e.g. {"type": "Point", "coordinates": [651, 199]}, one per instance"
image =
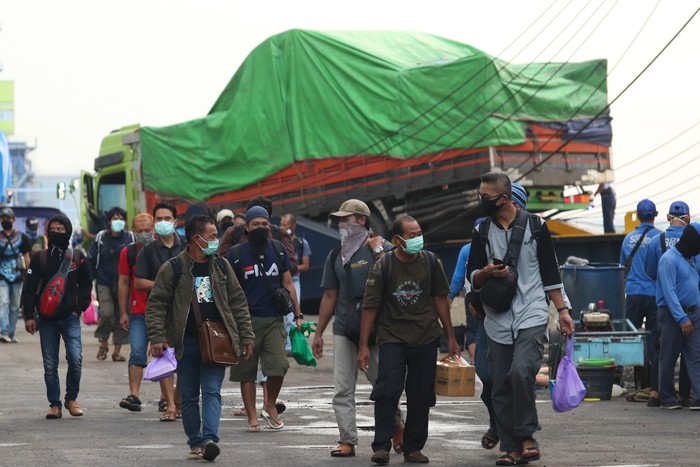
{"type": "Point", "coordinates": [317, 94]}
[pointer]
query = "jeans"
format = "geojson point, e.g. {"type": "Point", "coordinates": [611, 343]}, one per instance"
{"type": "Point", "coordinates": [9, 307]}
{"type": "Point", "coordinates": [192, 376]}
{"type": "Point", "coordinates": [412, 367]}
{"type": "Point", "coordinates": [138, 339]}
{"type": "Point", "coordinates": [481, 362]}
{"type": "Point", "coordinates": [50, 333]}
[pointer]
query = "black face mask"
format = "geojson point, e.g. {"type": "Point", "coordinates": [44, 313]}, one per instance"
{"type": "Point", "coordinates": [6, 225]}
{"type": "Point", "coordinates": [258, 236]}
{"type": "Point", "coordinates": [490, 207]}
{"type": "Point", "coordinates": [59, 239]}
{"type": "Point", "coordinates": [226, 225]}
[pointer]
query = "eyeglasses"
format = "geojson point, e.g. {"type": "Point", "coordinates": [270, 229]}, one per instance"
{"type": "Point", "coordinates": [489, 198]}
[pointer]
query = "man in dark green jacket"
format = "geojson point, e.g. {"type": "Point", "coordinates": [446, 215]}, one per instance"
{"type": "Point", "coordinates": [170, 322]}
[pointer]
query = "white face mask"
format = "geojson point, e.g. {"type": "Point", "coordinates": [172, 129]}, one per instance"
{"type": "Point", "coordinates": [674, 218]}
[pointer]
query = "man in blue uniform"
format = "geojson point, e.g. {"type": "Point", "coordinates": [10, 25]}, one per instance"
{"type": "Point", "coordinates": [641, 301]}
{"type": "Point", "coordinates": [679, 315]}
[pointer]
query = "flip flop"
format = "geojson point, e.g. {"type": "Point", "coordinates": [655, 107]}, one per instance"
{"type": "Point", "coordinates": [240, 412]}
{"type": "Point", "coordinates": [278, 422]}
{"type": "Point", "coordinates": [489, 440]}
{"type": "Point", "coordinates": [194, 455]}
{"type": "Point", "coordinates": [102, 352]}
{"type": "Point", "coordinates": [210, 451]}
{"type": "Point", "coordinates": [162, 405]}
{"type": "Point", "coordinates": [168, 417]}
{"type": "Point", "coordinates": [253, 428]}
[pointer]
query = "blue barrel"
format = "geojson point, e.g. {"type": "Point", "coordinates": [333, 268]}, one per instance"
{"type": "Point", "coordinates": [593, 282]}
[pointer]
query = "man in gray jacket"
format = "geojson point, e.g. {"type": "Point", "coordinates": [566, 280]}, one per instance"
{"type": "Point", "coordinates": [516, 337]}
{"type": "Point", "coordinates": [170, 322]}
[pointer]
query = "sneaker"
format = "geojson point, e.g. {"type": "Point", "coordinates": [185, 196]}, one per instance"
{"type": "Point", "coordinates": [671, 405]}
{"type": "Point", "coordinates": [13, 340]}
{"type": "Point", "coordinates": [653, 402]}
{"type": "Point", "coordinates": [686, 401]}
{"type": "Point", "coordinates": [416, 457]}
{"type": "Point", "coordinates": [693, 404]}
{"type": "Point", "coordinates": [4, 339]}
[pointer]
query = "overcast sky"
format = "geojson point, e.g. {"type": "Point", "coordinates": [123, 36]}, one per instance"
{"type": "Point", "coordinates": [84, 68]}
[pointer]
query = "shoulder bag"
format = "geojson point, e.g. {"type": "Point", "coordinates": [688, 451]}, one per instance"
{"type": "Point", "coordinates": [215, 344]}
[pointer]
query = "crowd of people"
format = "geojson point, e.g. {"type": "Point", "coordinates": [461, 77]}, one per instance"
{"type": "Point", "coordinates": [389, 301]}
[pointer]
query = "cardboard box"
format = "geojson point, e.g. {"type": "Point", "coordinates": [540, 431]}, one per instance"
{"type": "Point", "coordinates": [454, 377]}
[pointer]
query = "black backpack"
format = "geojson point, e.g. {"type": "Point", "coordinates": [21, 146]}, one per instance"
{"type": "Point", "coordinates": [498, 293]}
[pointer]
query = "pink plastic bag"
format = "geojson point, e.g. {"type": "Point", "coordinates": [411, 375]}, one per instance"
{"type": "Point", "coordinates": [161, 367]}
{"type": "Point", "coordinates": [568, 390]}
{"type": "Point", "coordinates": [91, 315]}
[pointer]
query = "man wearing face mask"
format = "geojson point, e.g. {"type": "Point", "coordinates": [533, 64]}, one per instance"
{"type": "Point", "coordinates": [38, 242]}
{"type": "Point", "coordinates": [678, 217]}
{"type": "Point", "coordinates": [238, 233]}
{"type": "Point", "coordinates": [224, 219]}
{"type": "Point", "coordinates": [167, 245]}
{"type": "Point", "coordinates": [410, 287]}
{"type": "Point", "coordinates": [679, 316]}
{"type": "Point", "coordinates": [103, 259]}
{"type": "Point", "coordinates": [202, 284]}
{"type": "Point", "coordinates": [516, 337]}
{"type": "Point", "coordinates": [261, 266]}
{"type": "Point", "coordinates": [344, 276]}
{"type": "Point", "coordinates": [14, 255]}
{"type": "Point", "coordinates": [132, 307]}
{"type": "Point", "coordinates": [65, 323]}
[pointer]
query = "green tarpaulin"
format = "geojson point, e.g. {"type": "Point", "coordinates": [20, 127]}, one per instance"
{"type": "Point", "coordinates": [315, 94]}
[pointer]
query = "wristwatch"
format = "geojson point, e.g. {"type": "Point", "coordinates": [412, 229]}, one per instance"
{"type": "Point", "coordinates": [299, 316]}
{"type": "Point", "coordinates": [378, 249]}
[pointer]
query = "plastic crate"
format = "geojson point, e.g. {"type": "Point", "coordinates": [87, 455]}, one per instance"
{"type": "Point", "coordinates": [626, 345]}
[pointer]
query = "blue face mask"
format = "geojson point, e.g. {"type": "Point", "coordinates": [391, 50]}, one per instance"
{"type": "Point", "coordinates": [118, 225]}
{"type": "Point", "coordinates": [211, 248]}
{"type": "Point", "coordinates": [165, 228]}
{"type": "Point", "coordinates": [413, 245]}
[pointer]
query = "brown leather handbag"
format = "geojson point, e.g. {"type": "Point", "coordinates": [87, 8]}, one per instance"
{"type": "Point", "coordinates": [215, 344]}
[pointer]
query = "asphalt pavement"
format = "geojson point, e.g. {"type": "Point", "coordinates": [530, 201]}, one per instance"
{"type": "Point", "coordinates": [600, 433]}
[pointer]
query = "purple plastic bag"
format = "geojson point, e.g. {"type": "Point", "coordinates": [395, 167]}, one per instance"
{"type": "Point", "coordinates": [161, 367]}
{"type": "Point", "coordinates": [568, 390]}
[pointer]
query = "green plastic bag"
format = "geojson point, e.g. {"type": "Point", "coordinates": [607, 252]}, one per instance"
{"type": "Point", "coordinates": [300, 347]}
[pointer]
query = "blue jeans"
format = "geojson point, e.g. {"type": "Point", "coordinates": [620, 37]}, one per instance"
{"type": "Point", "coordinates": [50, 333]}
{"type": "Point", "coordinates": [138, 339]}
{"type": "Point", "coordinates": [9, 307]}
{"type": "Point", "coordinates": [192, 376]}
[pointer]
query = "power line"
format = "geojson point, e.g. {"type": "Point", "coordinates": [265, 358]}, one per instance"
{"type": "Point", "coordinates": [636, 159]}
{"type": "Point", "coordinates": [539, 164]}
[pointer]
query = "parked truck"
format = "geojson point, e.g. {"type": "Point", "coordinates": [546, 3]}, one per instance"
{"type": "Point", "coordinates": [405, 121]}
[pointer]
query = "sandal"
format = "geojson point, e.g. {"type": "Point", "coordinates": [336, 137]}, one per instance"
{"type": "Point", "coordinates": [489, 440]}
{"type": "Point", "coordinates": [240, 412]}
{"type": "Point", "coordinates": [131, 403]}
{"type": "Point", "coordinates": [194, 455]}
{"type": "Point", "coordinates": [117, 357]}
{"type": "Point", "coordinates": [275, 423]}
{"type": "Point", "coordinates": [253, 428]}
{"type": "Point", "coordinates": [162, 405]}
{"type": "Point", "coordinates": [102, 352]}
{"type": "Point", "coordinates": [344, 450]}
{"type": "Point", "coordinates": [168, 417]}
{"type": "Point", "coordinates": [532, 452]}
{"type": "Point", "coordinates": [507, 459]}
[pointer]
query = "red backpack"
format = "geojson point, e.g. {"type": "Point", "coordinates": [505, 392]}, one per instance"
{"type": "Point", "coordinates": [55, 289]}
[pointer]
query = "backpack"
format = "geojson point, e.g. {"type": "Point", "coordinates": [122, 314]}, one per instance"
{"type": "Point", "coordinates": [99, 240]}
{"type": "Point", "coordinates": [498, 293]}
{"type": "Point", "coordinates": [52, 295]}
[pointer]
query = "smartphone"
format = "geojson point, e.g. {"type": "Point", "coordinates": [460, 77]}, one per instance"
{"type": "Point", "coordinates": [498, 262]}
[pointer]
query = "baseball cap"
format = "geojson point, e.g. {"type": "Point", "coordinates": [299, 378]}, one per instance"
{"type": "Point", "coordinates": [518, 194]}
{"type": "Point", "coordinates": [254, 212]}
{"type": "Point", "coordinates": [352, 206]}
{"type": "Point", "coordinates": [32, 223]}
{"type": "Point", "coordinates": [679, 208]}
{"type": "Point", "coordinates": [646, 209]}
{"type": "Point", "coordinates": [224, 213]}
{"type": "Point", "coordinates": [7, 212]}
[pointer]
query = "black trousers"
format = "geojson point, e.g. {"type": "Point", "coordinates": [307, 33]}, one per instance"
{"type": "Point", "coordinates": [412, 367]}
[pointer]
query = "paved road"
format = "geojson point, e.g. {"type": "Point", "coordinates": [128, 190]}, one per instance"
{"type": "Point", "coordinates": [595, 434]}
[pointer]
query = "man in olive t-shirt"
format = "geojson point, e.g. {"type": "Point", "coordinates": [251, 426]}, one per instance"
{"type": "Point", "coordinates": [411, 301]}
